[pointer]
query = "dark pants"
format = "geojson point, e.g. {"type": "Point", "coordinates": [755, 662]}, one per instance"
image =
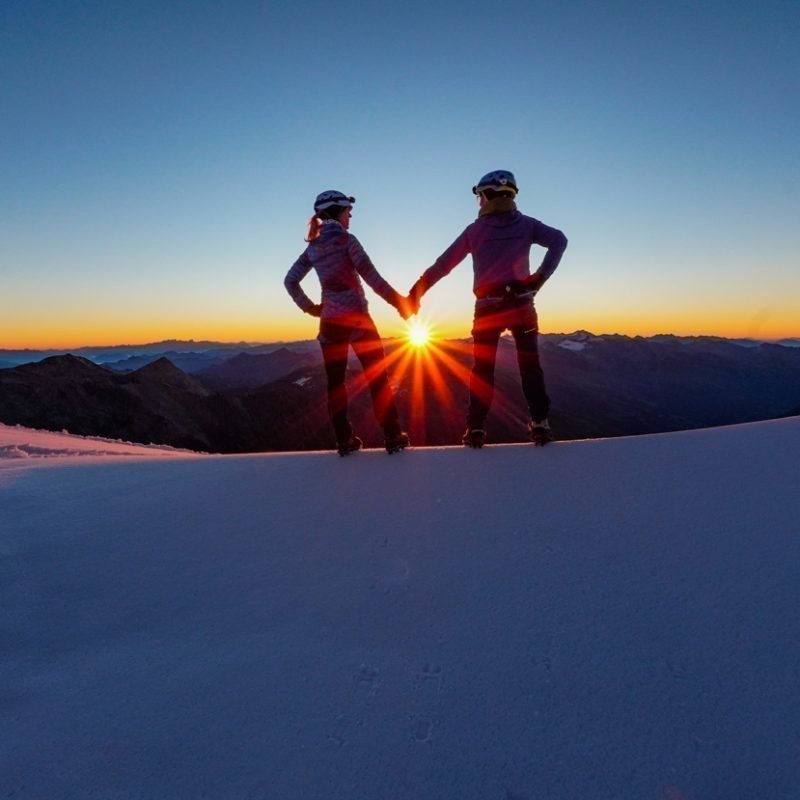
{"type": "Point", "coordinates": [491, 319]}
{"type": "Point", "coordinates": [357, 331]}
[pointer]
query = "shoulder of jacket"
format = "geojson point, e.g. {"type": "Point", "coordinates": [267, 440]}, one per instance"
{"type": "Point", "coordinates": [475, 225]}
{"type": "Point", "coordinates": [353, 243]}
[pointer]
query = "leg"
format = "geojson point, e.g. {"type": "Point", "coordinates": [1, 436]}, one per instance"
{"type": "Point", "coordinates": [334, 353]}
{"type": "Point", "coordinates": [368, 347]}
{"type": "Point", "coordinates": [485, 337]}
{"type": "Point", "coordinates": [530, 371]}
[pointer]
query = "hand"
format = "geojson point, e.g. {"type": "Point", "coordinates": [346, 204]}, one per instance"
{"type": "Point", "coordinates": [315, 310]}
{"type": "Point", "coordinates": [415, 294]}
{"type": "Point", "coordinates": [534, 283]}
{"type": "Point", "coordinates": [405, 306]}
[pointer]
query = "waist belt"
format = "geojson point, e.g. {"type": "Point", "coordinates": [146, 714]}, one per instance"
{"type": "Point", "coordinates": [513, 291]}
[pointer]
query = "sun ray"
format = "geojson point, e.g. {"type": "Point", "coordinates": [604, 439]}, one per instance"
{"type": "Point", "coordinates": [463, 372]}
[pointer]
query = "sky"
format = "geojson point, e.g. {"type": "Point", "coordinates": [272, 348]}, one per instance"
{"type": "Point", "coordinates": [194, 626]}
{"type": "Point", "coordinates": [159, 160]}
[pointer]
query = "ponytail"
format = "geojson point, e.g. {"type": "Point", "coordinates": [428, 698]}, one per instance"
{"type": "Point", "coordinates": [312, 228]}
{"type": "Point", "coordinates": [315, 220]}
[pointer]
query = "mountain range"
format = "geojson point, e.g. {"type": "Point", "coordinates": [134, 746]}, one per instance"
{"type": "Point", "coordinates": [272, 397]}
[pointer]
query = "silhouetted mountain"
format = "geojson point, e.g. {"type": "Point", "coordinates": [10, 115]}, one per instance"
{"type": "Point", "coordinates": [157, 404]}
{"type": "Point", "coordinates": [599, 385]}
{"type": "Point", "coordinates": [57, 367]}
{"type": "Point", "coordinates": [189, 356]}
{"type": "Point", "coordinates": [188, 362]}
{"type": "Point", "coordinates": [629, 385]}
{"type": "Point", "coordinates": [248, 371]}
{"type": "Point", "coordinates": [163, 372]}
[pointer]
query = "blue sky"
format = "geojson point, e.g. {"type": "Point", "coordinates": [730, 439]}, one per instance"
{"type": "Point", "coordinates": [159, 160]}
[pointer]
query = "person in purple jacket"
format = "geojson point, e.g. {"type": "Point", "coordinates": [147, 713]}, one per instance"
{"type": "Point", "coordinates": [339, 259]}
{"type": "Point", "coordinates": [499, 242]}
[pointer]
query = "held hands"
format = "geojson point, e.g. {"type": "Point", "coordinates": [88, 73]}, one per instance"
{"type": "Point", "coordinates": [409, 305]}
{"type": "Point", "coordinates": [405, 306]}
{"type": "Point", "coordinates": [415, 293]}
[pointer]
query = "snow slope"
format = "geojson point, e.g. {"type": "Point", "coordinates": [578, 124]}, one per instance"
{"type": "Point", "coordinates": [596, 619]}
{"type": "Point", "coordinates": [19, 442]}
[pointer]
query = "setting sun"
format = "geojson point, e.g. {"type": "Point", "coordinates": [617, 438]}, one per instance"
{"type": "Point", "coordinates": [419, 334]}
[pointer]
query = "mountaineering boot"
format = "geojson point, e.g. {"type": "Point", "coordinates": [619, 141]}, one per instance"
{"type": "Point", "coordinates": [539, 432]}
{"type": "Point", "coordinates": [397, 442]}
{"type": "Point", "coordinates": [474, 437]}
{"type": "Point", "coordinates": [349, 446]}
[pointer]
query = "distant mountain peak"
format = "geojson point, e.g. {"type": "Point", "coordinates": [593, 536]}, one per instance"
{"type": "Point", "coordinates": [161, 366]}
{"type": "Point", "coordinates": [249, 370]}
{"type": "Point", "coordinates": [63, 365]}
{"type": "Point", "coordinates": [164, 371]}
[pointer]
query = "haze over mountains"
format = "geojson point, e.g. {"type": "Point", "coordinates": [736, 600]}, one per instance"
{"type": "Point", "coordinates": [242, 398]}
{"type": "Point", "coordinates": [195, 355]}
{"type": "Point", "coordinates": [192, 356]}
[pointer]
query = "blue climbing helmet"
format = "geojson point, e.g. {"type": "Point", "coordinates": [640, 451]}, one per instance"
{"type": "Point", "coordinates": [501, 180]}
{"type": "Point", "coordinates": [332, 198]}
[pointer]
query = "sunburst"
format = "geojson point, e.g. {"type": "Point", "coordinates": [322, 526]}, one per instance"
{"type": "Point", "coordinates": [418, 333]}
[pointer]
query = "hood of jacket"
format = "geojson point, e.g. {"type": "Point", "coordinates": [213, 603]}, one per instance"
{"type": "Point", "coordinates": [331, 234]}
{"type": "Point", "coordinates": [500, 220]}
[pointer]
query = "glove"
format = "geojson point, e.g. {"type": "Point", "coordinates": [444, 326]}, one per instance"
{"type": "Point", "coordinates": [534, 283]}
{"type": "Point", "coordinates": [315, 310]}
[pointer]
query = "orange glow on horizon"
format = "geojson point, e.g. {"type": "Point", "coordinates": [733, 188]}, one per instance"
{"type": "Point", "coordinates": [64, 333]}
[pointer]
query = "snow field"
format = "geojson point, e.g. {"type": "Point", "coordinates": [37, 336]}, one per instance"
{"type": "Point", "coordinates": [604, 619]}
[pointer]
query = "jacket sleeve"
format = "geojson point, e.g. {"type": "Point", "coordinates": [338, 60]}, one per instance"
{"type": "Point", "coordinates": [298, 271]}
{"type": "Point", "coordinates": [366, 269]}
{"type": "Point", "coordinates": [554, 241]}
{"type": "Point", "coordinates": [443, 265]}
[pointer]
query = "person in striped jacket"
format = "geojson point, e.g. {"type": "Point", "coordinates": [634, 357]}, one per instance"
{"type": "Point", "coordinates": [340, 263]}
